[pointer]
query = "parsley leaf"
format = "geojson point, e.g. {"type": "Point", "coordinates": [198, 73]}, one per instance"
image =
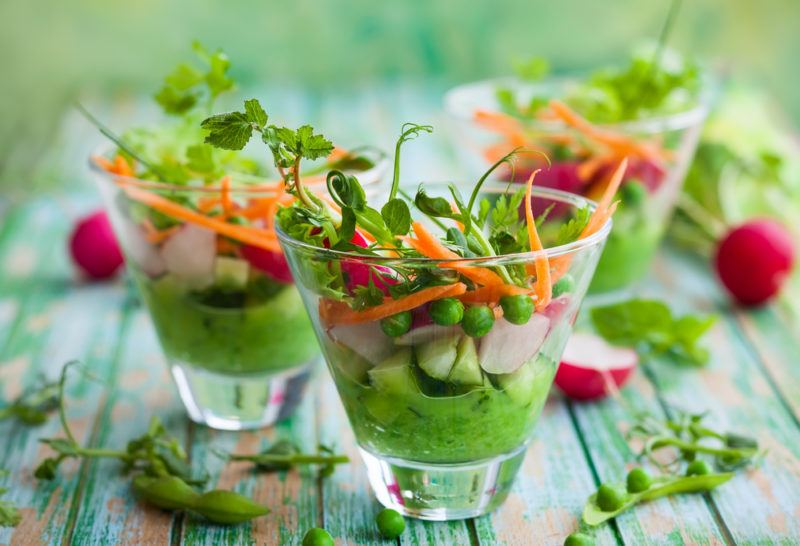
{"type": "Point", "coordinates": [570, 231]}
{"type": "Point", "coordinates": [367, 295]}
{"type": "Point", "coordinates": [232, 130]}
{"type": "Point", "coordinates": [650, 327]}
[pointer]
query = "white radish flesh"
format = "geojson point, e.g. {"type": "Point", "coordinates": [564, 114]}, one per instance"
{"type": "Point", "coordinates": [189, 254]}
{"type": "Point", "coordinates": [508, 346]}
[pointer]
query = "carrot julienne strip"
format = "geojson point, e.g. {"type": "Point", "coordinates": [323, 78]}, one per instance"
{"type": "Point", "coordinates": [543, 286]}
{"type": "Point", "coordinates": [337, 312]}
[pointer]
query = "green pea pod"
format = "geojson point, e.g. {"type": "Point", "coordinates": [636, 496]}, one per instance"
{"type": "Point", "coordinates": [594, 515]}
{"type": "Point", "coordinates": [167, 492]}
{"type": "Point", "coordinates": [228, 507]}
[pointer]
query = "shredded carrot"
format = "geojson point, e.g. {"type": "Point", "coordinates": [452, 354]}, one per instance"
{"type": "Point", "coordinates": [337, 312]}
{"type": "Point", "coordinates": [337, 154]}
{"type": "Point", "coordinates": [492, 294]}
{"type": "Point", "coordinates": [154, 235]}
{"type": "Point", "coordinates": [543, 288]}
{"type": "Point", "coordinates": [104, 163]}
{"type": "Point", "coordinates": [225, 195]}
{"type": "Point", "coordinates": [246, 234]}
{"type": "Point", "coordinates": [122, 166]}
{"type": "Point", "coordinates": [207, 204]}
{"type": "Point", "coordinates": [225, 246]}
{"type": "Point", "coordinates": [622, 144]}
{"type": "Point", "coordinates": [428, 245]}
{"type": "Point", "coordinates": [605, 210]}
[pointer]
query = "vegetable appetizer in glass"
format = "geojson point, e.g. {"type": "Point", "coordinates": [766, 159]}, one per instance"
{"type": "Point", "coordinates": [650, 111]}
{"type": "Point", "coordinates": [196, 225]}
{"type": "Point", "coordinates": [443, 328]}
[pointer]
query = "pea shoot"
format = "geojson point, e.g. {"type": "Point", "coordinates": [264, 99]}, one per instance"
{"type": "Point", "coordinates": [9, 514]}
{"type": "Point", "coordinates": [33, 405]}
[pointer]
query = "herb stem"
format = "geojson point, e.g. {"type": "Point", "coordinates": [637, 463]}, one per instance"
{"type": "Point", "coordinates": [270, 458]}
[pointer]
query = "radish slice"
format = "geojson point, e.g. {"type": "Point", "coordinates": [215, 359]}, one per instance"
{"type": "Point", "coordinates": [427, 333]}
{"type": "Point", "coordinates": [589, 362]}
{"type": "Point", "coordinates": [94, 248]}
{"type": "Point", "coordinates": [366, 340]}
{"type": "Point", "coordinates": [140, 251]}
{"type": "Point", "coordinates": [190, 254]}
{"type": "Point", "coordinates": [508, 346]}
{"type": "Point", "coordinates": [272, 264]}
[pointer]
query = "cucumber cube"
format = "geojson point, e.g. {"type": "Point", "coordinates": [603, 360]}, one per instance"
{"type": "Point", "coordinates": [437, 357]}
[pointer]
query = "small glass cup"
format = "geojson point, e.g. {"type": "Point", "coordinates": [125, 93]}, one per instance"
{"type": "Point", "coordinates": [442, 419]}
{"type": "Point", "coordinates": [231, 323]}
{"type": "Point", "coordinates": [582, 165]}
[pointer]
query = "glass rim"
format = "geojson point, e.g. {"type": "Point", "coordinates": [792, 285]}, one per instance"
{"type": "Point", "coordinates": [575, 200]}
{"type": "Point", "coordinates": [657, 123]}
{"type": "Point", "coordinates": [381, 165]}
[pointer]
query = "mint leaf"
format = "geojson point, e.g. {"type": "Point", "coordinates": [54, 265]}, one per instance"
{"type": "Point", "coordinates": [312, 146]}
{"type": "Point", "coordinates": [532, 69]}
{"type": "Point", "coordinates": [183, 77]}
{"type": "Point", "coordinates": [650, 327]}
{"type": "Point", "coordinates": [229, 131]}
{"type": "Point", "coordinates": [255, 113]}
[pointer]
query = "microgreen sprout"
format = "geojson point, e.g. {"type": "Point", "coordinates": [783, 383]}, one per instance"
{"type": "Point", "coordinates": [33, 405]}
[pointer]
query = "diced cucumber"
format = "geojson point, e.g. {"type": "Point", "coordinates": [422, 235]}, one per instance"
{"type": "Point", "coordinates": [231, 272]}
{"type": "Point", "coordinates": [466, 370]}
{"type": "Point", "coordinates": [520, 385]}
{"type": "Point", "coordinates": [436, 358]}
{"type": "Point", "coordinates": [394, 374]}
{"type": "Point", "coordinates": [354, 367]}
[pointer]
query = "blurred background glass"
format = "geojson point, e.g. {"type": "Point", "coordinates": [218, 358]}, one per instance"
{"type": "Point", "coordinates": [56, 49]}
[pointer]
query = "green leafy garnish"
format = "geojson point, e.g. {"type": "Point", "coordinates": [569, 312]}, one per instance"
{"type": "Point", "coordinates": [186, 85]}
{"type": "Point", "coordinates": [9, 514]}
{"type": "Point", "coordinates": [285, 455]}
{"type": "Point", "coordinates": [33, 405]}
{"type": "Point", "coordinates": [650, 327]}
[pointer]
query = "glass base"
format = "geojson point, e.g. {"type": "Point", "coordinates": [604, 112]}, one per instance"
{"type": "Point", "coordinates": [442, 492]}
{"type": "Point", "coordinates": [239, 402]}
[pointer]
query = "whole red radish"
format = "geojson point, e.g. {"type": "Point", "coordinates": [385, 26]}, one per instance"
{"type": "Point", "coordinates": [754, 259]}
{"type": "Point", "coordinates": [94, 248]}
{"type": "Point", "coordinates": [590, 363]}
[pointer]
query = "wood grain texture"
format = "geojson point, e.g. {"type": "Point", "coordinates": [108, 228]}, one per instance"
{"type": "Point", "coordinates": [738, 395]}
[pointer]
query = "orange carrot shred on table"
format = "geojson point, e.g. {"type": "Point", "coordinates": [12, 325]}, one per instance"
{"type": "Point", "coordinates": [337, 312]}
{"type": "Point", "coordinates": [246, 234]}
{"type": "Point", "coordinates": [543, 288]}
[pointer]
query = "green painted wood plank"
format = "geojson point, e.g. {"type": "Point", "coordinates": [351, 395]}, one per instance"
{"type": "Point", "coordinates": [85, 325]}
{"type": "Point", "coordinates": [292, 496]}
{"type": "Point", "coordinates": [685, 519]}
{"type": "Point", "coordinates": [348, 504]}
{"type": "Point", "coordinates": [761, 505]}
{"type": "Point", "coordinates": [107, 512]}
{"type": "Point", "coordinates": [547, 499]}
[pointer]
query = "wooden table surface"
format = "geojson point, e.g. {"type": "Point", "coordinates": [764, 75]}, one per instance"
{"type": "Point", "coordinates": [48, 316]}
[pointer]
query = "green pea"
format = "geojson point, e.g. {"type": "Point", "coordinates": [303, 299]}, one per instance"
{"type": "Point", "coordinates": [396, 325]}
{"type": "Point", "coordinates": [565, 285]}
{"type": "Point", "coordinates": [167, 492]}
{"type": "Point", "coordinates": [478, 320]}
{"type": "Point", "coordinates": [390, 523]}
{"type": "Point", "coordinates": [698, 468]}
{"type": "Point", "coordinates": [609, 498]}
{"type": "Point", "coordinates": [517, 309]}
{"type": "Point", "coordinates": [317, 537]}
{"type": "Point", "coordinates": [228, 507]}
{"type": "Point", "coordinates": [638, 480]}
{"type": "Point", "coordinates": [633, 193]}
{"type": "Point", "coordinates": [446, 311]}
{"type": "Point", "coordinates": [579, 539]}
